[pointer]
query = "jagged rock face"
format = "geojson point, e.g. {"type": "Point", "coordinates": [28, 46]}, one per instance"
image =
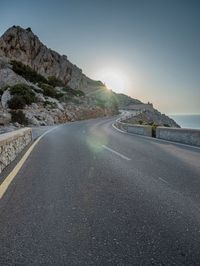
{"type": "Point", "coordinates": [7, 75]}
{"type": "Point", "coordinates": [22, 45]}
{"type": "Point", "coordinates": [5, 98]}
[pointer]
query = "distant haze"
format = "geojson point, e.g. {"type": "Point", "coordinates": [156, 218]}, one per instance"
{"type": "Point", "coordinates": [150, 48]}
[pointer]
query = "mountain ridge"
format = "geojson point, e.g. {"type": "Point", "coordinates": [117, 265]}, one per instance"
{"type": "Point", "coordinates": [56, 90]}
{"type": "Point", "coordinates": [23, 45]}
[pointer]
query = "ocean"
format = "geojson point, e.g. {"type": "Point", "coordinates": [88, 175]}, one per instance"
{"type": "Point", "coordinates": [187, 121]}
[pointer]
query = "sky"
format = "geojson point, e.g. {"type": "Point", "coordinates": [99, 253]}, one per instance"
{"type": "Point", "coordinates": [148, 49]}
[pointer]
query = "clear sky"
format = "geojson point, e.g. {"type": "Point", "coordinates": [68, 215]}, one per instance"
{"type": "Point", "coordinates": [148, 49]}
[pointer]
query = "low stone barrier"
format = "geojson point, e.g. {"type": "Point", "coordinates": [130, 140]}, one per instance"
{"type": "Point", "coordinates": [182, 135]}
{"type": "Point", "coordinates": [140, 130]}
{"type": "Point", "coordinates": [135, 129]}
{"type": "Point", "coordinates": [12, 143]}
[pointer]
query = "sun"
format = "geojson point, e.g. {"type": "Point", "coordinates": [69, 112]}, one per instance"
{"type": "Point", "coordinates": [114, 79]}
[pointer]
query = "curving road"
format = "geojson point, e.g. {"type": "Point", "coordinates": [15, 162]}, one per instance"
{"type": "Point", "coordinates": [90, 195]}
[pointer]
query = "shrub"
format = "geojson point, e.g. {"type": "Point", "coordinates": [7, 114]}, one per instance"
{"type": "Point", "coordinates": [80, 93]}
{"type": "Point", "coordinates": [17, 102]}
{"type": "Point", "coordinates": [19, 117]}
{"type": "Point", "coordinates": [29, 29]}
{"type": "Point", "coordinates": [48, 90]}
{"type": "Point", "coordinates": [72, 92]}
{"type": "Point", "coordinates": [59, 95]}
{"type": "Point", "coordinates": [54, 81]}
{"type": "Point", "coordinates": [50, 104]}
{"type": "Point", "coordinates": [154, 126]}
{"type": "Point", "coordinates": [27, 72]}
{"type": "Point", "coordinates": [25, 92]}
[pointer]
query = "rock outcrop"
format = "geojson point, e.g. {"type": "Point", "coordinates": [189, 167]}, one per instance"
{"type": "Point", "coordinates": [7, 75]}
{"type": "Point", "coordinates": [39, 87]}
{"type": "Point", "coordinates": [152, 117]}
{"type": "Point", "coordinates": [24, 46]}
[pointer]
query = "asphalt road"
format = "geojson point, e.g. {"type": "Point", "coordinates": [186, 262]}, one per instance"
{"type": "Point", "coordinates": [90, 195]}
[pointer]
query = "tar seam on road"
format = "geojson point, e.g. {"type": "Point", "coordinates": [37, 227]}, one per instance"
{"type": "Point", "coordinates": [4, 186]}
{"type": "Point", "coordinates": [115, 152]}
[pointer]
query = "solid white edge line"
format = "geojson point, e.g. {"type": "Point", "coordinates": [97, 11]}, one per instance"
{"type": "Point", "coordinates": [7, 181]}
{"type": "Point", "coordinates": [156, 139]}
{"type": "Point", "coordinates": [117, 153]}
{"type": "Point", "coordinates": [113, 125]}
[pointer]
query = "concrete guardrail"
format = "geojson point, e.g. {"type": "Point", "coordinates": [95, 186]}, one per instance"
{"type": "Point", "coordinates": [144, 130]}
{"type": "Point", "coordinates": [182, 135]}
{"type": "Point", "coordinates": [12, 143]}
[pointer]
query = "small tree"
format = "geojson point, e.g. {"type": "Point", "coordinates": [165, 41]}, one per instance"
{"type": "Point", "coordinates": [17, 102]}
{"type": "Point", "coordinates": [19, 117]}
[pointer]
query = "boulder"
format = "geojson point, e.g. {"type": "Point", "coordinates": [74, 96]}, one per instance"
{"type": "Point", "coordinates": [5, 118]}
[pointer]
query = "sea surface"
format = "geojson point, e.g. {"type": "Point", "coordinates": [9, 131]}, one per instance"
{"type": "Point", "coordinates": [187, 121]}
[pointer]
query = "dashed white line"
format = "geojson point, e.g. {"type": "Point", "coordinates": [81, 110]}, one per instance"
{"type": "Point", "coordinates": [115, 152]}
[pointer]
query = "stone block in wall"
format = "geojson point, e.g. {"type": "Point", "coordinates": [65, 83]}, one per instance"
{"type": "Point", "coordinates": [11, 144]}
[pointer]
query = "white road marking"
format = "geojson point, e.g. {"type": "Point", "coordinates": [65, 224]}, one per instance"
{"type": "Point", "coordinates": [163, 180]}
{"type": "Point", "coordinates": [5, 184]}
{"type": "Point", "coordinates": [113, 125]}
{"type": "Point", "coordinates": [117, 153]}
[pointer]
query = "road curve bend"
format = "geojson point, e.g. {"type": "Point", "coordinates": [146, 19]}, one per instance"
{"type": "Point", "coordinates": [90, 195]}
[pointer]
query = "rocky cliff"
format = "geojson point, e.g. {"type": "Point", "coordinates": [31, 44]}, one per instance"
{"type": "Point", "coordinates": [38, 86]}
{"type": "Point", "coordinates": [23, 45]}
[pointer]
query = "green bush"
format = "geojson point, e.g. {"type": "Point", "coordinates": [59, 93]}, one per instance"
{"type": "Point", "coordinates": [54, 81]}
{"type": "Point", "coordinates": [17, 102]}
{"type": "Point", "coordinates": [25, 92]}
{"type": "Point", "coordinates": [50, 104]}
{"type": "Point", "coordinates": [29, 29]}
{"type": "Point", "coordinates": [72, 92]}
{"type": "Point", "coordinates": [80, 93]}
{"type": "Point", "coordinates": [154, 126]}
{"type": "Point", "coordinates": [19, 117]}
{"type": "Point", "coordinates": [48, 90]}
{"type": "Point", "coordinates": [59, 95]}
{"type": "Point", "coordinates": [27, 72]}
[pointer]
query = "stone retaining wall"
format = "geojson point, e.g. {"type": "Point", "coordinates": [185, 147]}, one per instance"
{"type": "Point", "coordinates": [182, 135]}
{"type": "Point", "coordinates": [11, 144]}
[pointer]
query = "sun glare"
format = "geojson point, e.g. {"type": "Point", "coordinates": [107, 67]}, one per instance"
{"type": "Point", "coordinates": [114, 80]}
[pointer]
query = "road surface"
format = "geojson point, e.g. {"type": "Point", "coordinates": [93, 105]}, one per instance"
{"type": "Point", "coordinates": [90, 195]}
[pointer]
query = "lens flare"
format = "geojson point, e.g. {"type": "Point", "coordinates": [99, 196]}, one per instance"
{"type": "Point", "coordinates": [114, 80]}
